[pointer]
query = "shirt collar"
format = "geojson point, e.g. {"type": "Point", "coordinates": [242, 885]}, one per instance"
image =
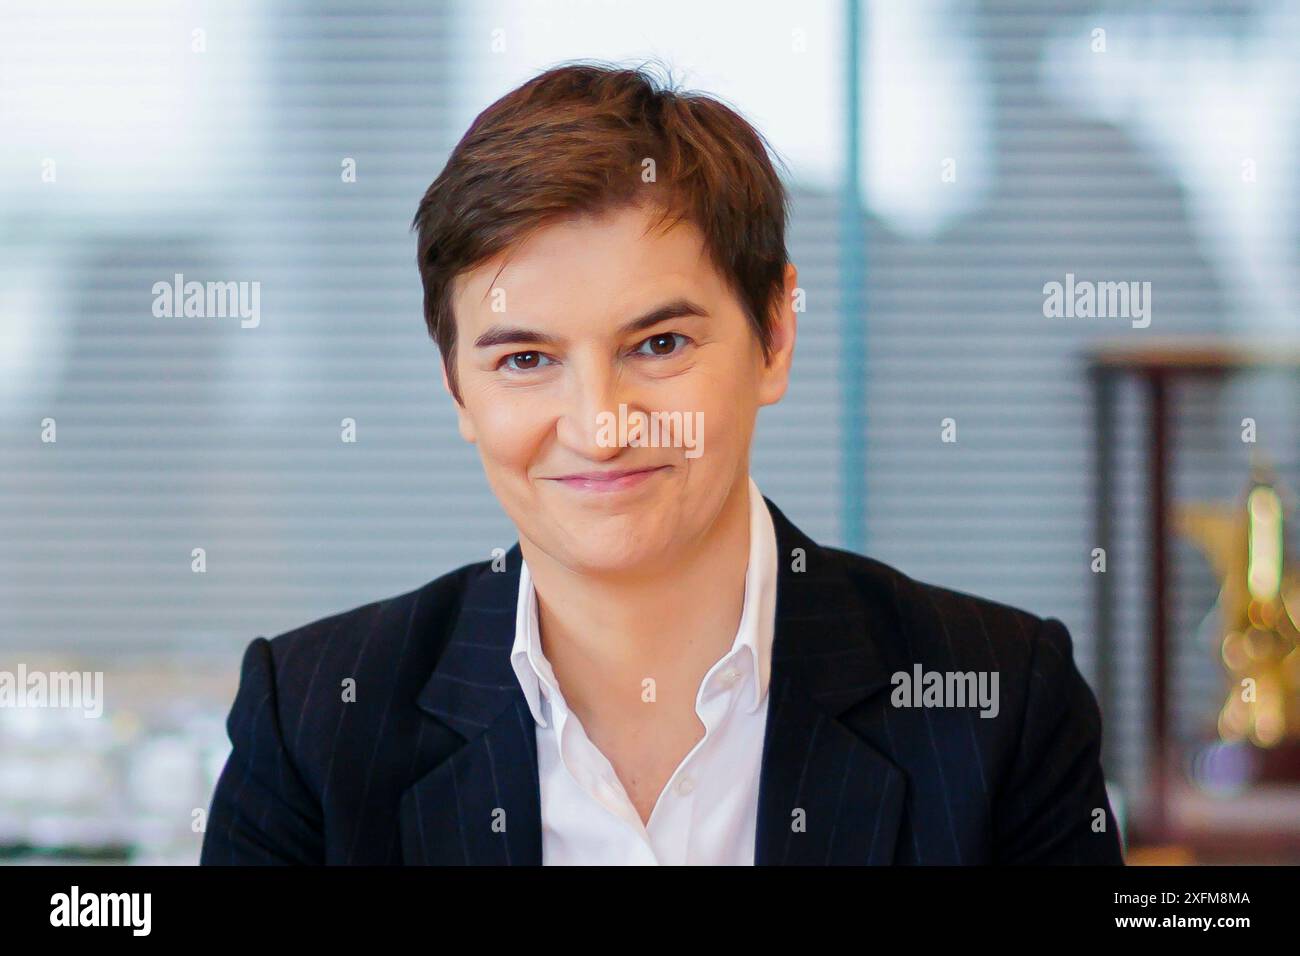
{"type": "Point", "coordinates": [754, 635]}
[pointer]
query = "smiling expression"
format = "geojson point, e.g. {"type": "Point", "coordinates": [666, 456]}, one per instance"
{"type": "Point", "coordinates": [584, 316]}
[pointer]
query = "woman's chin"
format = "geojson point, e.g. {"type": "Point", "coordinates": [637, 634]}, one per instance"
{"type": "Point", "coordinates": [614, 556]}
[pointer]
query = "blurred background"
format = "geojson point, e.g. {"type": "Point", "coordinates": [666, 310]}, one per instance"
{"type": "Point", "coordinates": [172, 487]}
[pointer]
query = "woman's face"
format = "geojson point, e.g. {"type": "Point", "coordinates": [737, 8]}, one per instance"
{"type": "Point", "coordinates": [566, 341]}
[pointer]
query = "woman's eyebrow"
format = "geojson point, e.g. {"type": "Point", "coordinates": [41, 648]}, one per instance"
{"type": "Point", "coordinates": [675, 309]}
{"type": "Point", "coordinates": [516, 335]}
{"type": "Point", "coordinates": [513, 335]}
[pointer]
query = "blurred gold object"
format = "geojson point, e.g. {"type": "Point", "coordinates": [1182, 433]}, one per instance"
{"type": "Point", "coordinates": [1170, 855]}
{"type": "Point", "coordinates": [1259, 600]}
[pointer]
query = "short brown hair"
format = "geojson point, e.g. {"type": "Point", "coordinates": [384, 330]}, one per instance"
{"type": "Point", "coordinates": [573, 141]}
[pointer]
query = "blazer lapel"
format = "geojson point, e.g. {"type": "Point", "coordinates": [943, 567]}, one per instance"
{"type": "Point", "coordinates": [826, 795]}
{"type": "Point", "coordinates": [480, 804]}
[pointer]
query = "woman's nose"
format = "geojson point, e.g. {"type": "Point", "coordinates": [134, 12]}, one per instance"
{"type": "Point", "coordinates": [596, 404]}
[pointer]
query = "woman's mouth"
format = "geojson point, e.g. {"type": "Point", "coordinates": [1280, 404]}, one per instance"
{"type": "Point", "coordinates": [609, 481]}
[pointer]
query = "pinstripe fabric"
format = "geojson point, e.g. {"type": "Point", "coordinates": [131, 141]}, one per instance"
{"type": "Point", "coordinates": [435, 761]}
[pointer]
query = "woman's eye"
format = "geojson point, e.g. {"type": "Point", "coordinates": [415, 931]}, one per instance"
{"type": "Point", "coordinates": [524, 361]}
{"type": "Point", "coordinates": [666, 343]}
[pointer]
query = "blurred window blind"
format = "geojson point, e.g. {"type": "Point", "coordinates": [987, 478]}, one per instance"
{"type": "Point", "coordinates": [1118, 161]}
{"type": "Point", "coordinates": [180, 434]}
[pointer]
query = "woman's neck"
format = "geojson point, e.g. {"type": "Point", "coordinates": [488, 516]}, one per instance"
{"type": "Point", "coordinates": [670, 624]}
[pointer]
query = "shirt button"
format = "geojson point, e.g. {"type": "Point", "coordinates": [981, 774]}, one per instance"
{"type": "Point", "coordinates": [729, 676]}
{"type": "Point", "coordinates": [685, 786]}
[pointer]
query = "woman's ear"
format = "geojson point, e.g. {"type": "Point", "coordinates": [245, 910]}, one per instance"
{"type": "Point", "coordinates": [775, 376]}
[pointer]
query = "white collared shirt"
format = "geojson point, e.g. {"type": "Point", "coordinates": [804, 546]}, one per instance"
{"type": "Point", "coordinates": [708, 810]}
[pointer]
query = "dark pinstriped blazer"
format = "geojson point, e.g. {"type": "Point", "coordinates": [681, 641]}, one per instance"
{"type": "Point", "coordinates": [439, 742]}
